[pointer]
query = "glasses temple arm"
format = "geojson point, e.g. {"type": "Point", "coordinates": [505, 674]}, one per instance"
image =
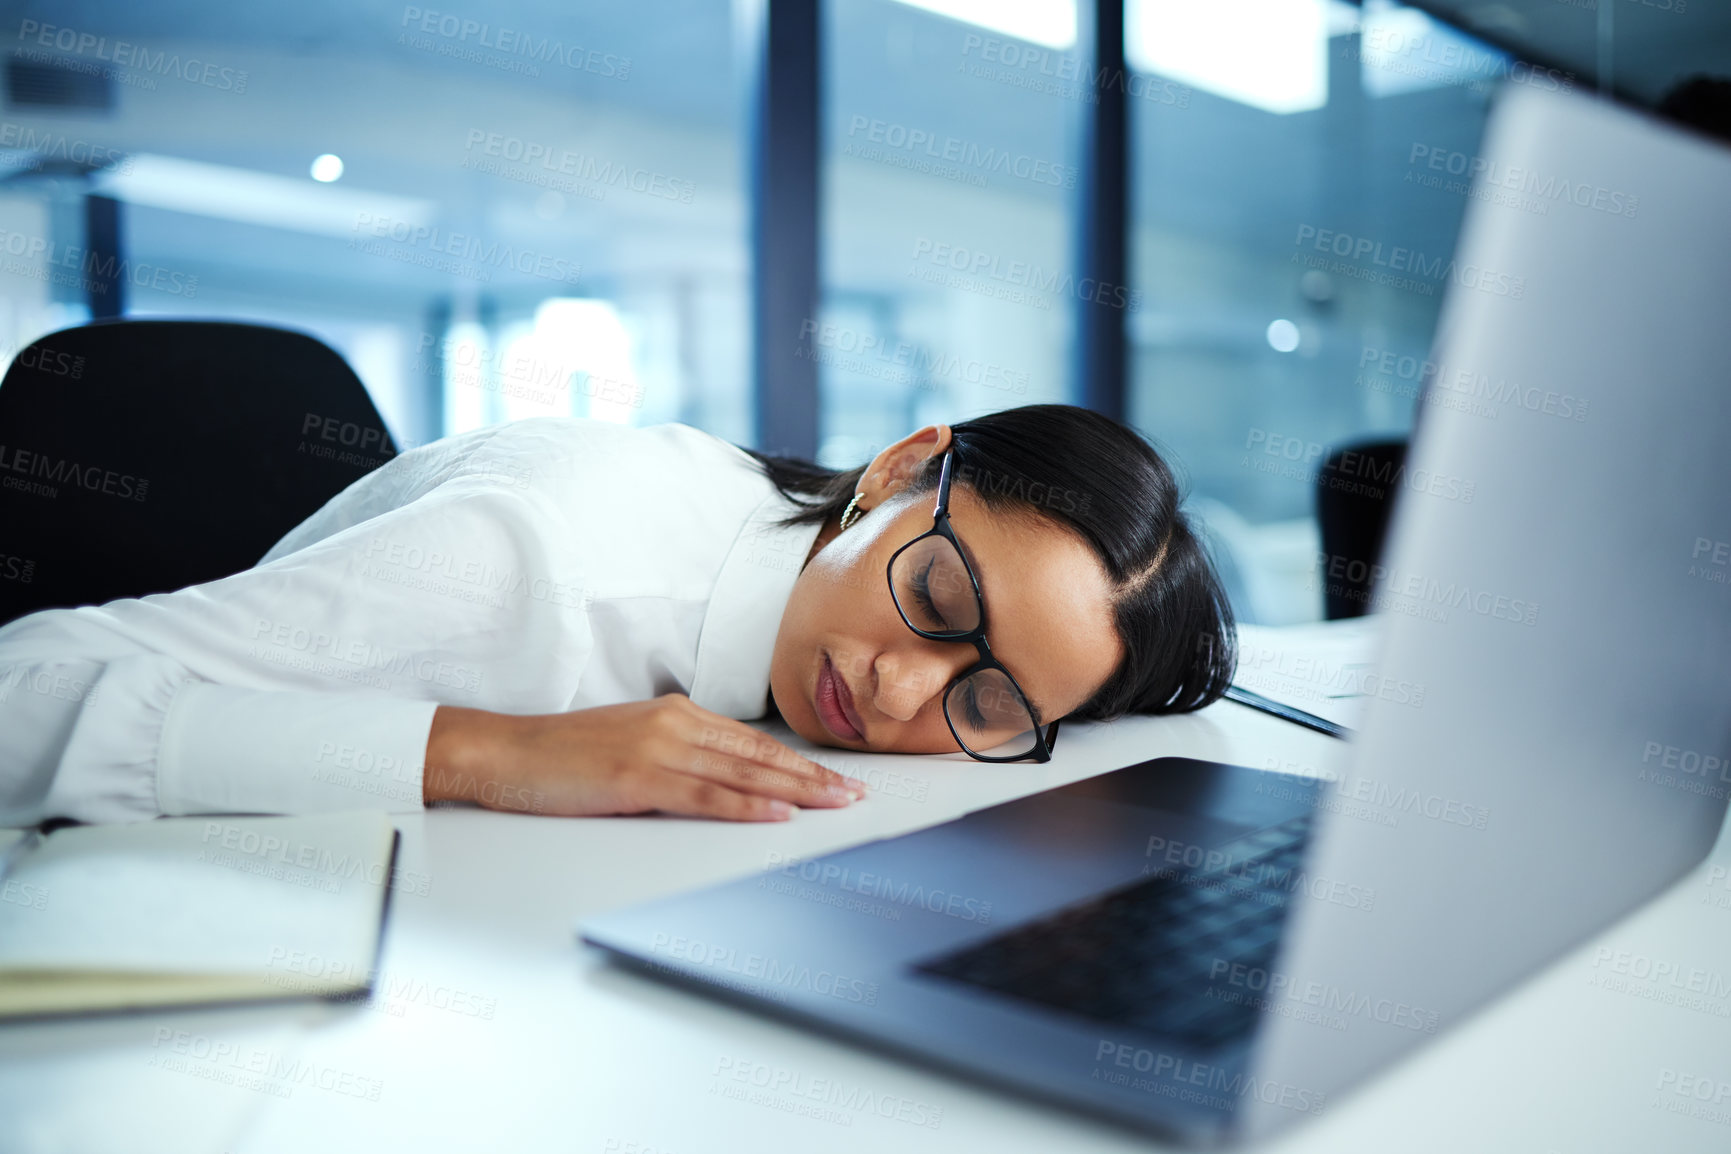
{"type": "Point", "coordinates": [944, 485]}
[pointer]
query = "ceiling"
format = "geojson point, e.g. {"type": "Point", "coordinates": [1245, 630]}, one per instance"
{"type": "Point", "coordinates": [1653, 44]}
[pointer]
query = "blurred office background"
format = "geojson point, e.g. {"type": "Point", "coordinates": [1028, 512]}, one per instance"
{"type": "Point", "coordinates": [522, 208]}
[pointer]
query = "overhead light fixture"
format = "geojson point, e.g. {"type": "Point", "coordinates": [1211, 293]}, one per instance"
{"type": "Point", "coordinates": [1269, 54]}
{"type": "Point", "coordinates": [327, 168]}
{"type": "Point", "coordinates": [227, 193]}
{"type": "Point", "coordinates": [1050, 23]}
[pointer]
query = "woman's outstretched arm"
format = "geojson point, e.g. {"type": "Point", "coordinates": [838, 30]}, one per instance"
{"type": "Point", "coordinates": [495, 587]}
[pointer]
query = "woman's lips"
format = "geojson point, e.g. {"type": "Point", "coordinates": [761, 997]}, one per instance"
{"type": "Point", "coordinates": [844, 691]}
{"type": "Point", "coordinates": [835, 704]}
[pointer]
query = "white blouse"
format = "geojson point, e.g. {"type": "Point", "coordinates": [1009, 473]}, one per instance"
{"type": "Point", "coordinates": [532, 567]}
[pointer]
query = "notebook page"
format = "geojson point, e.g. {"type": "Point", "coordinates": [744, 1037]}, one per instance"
{"type": "Point", "coordinates": [217, 895]}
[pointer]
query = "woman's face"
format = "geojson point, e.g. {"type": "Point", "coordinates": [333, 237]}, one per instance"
{"type": "Point", "coordinates": [1048, 619]}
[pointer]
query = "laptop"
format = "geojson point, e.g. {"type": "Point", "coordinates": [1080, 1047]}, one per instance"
{"type": "Point", "coordinates": [1211, 952]}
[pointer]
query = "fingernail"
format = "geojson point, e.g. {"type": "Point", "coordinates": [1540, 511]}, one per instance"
{"type": "Point", "coordinates": [780, 809]}
{"type": "Point", "coordinates": [856, 785]}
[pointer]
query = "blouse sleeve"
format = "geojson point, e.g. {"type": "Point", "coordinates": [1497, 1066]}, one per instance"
{"type": "Point", "coordinates": [138, 736]}
{"type": "Point", "coordinates": [304, 685]}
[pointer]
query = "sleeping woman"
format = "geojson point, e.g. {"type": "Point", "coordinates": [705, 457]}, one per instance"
{"type": "Point", "coordinates": [568, 617]}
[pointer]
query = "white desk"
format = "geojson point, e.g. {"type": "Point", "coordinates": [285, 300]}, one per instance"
{"type": "Point", "coordinates": [494, 1030]}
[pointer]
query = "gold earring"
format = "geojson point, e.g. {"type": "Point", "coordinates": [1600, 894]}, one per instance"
{"type": "Point", "coordinates": [852, 513]}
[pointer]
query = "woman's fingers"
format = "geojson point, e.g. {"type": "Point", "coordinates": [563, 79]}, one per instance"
{"type": "Point", "coordinates": [735, 741]}
{"type": "Point", "coordinates": [754, 777]}
{"type": "Point", "coordinates": [689, 796]}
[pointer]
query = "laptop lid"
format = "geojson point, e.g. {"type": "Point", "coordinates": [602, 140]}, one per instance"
{"type": "Point", "coordinates": [1553, 722]}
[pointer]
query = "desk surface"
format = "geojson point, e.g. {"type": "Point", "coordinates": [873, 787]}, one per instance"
{"type": "Point", "coordinates": [492, 1029]}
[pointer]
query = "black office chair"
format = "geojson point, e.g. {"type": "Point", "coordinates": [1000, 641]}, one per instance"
{"type": "Point", "coordinates": [1355, 494]}
{"type": "Point", "coordinates": [143, 456]}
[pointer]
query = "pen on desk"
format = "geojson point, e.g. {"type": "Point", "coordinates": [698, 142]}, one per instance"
{"type": "Point", "coordinates": [9, 857]}
{"type": "Point", "coordinates": [1286, 712]}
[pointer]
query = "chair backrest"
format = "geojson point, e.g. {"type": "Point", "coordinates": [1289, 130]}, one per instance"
{"type": "Point", "coordinates": [1355, 491]}
{"type": "Point", "coordinates": [144, 456]}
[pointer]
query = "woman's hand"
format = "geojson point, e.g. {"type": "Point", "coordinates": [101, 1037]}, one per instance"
{"type": "Point", "coordinates": [667, 754]}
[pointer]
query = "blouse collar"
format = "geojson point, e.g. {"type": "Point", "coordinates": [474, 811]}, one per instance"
{"type": "Point", "coordinates": [737, 640]}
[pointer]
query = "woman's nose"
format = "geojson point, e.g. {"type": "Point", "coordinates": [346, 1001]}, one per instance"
{"type": "Point", "coordinates": [906, 681]}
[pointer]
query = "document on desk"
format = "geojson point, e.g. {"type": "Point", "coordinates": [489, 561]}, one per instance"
{"type": "Point", "coordinates": [194, 909]}
{"type": "Point", "coordinates": [1325, 669]}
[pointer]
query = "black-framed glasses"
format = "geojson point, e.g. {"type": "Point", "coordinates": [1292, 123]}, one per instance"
{"type": "Point", "coordinates": [938, 596]}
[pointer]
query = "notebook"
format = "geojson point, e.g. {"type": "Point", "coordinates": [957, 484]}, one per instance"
{"type": "Point", "coordinates": [1323, 671]}
{"type": "Point", "coordinates": [193, 909]}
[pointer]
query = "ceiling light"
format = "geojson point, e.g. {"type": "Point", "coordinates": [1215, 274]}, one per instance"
{"type": "Point", "coordinates": [1282, 335]}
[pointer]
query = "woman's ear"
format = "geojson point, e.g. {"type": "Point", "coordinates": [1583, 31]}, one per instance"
{"type": "Point", "coordinates": [891, 469]}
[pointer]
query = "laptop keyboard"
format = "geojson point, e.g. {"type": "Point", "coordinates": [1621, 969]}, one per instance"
{"type": "Point", "coordinates": [1156, 954]}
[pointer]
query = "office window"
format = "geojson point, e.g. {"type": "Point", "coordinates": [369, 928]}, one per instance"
{"type": "Point", "coordinates": [493, 211]}
{"type": "Point", "coordinates": [949, 183]}
{"type": "Point", "coordinates": [1293, 221]}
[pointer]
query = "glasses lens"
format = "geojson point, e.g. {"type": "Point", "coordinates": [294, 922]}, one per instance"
{"type": "Point", "coordinates": [932, 588]}
{"type": "Point", "coordinates": [989, 715]}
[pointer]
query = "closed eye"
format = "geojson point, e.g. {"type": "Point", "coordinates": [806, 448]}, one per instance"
{"type": "Point", "coordinates": [922, 590]}
{"type": "Point", "coordinates": [971, 709]}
